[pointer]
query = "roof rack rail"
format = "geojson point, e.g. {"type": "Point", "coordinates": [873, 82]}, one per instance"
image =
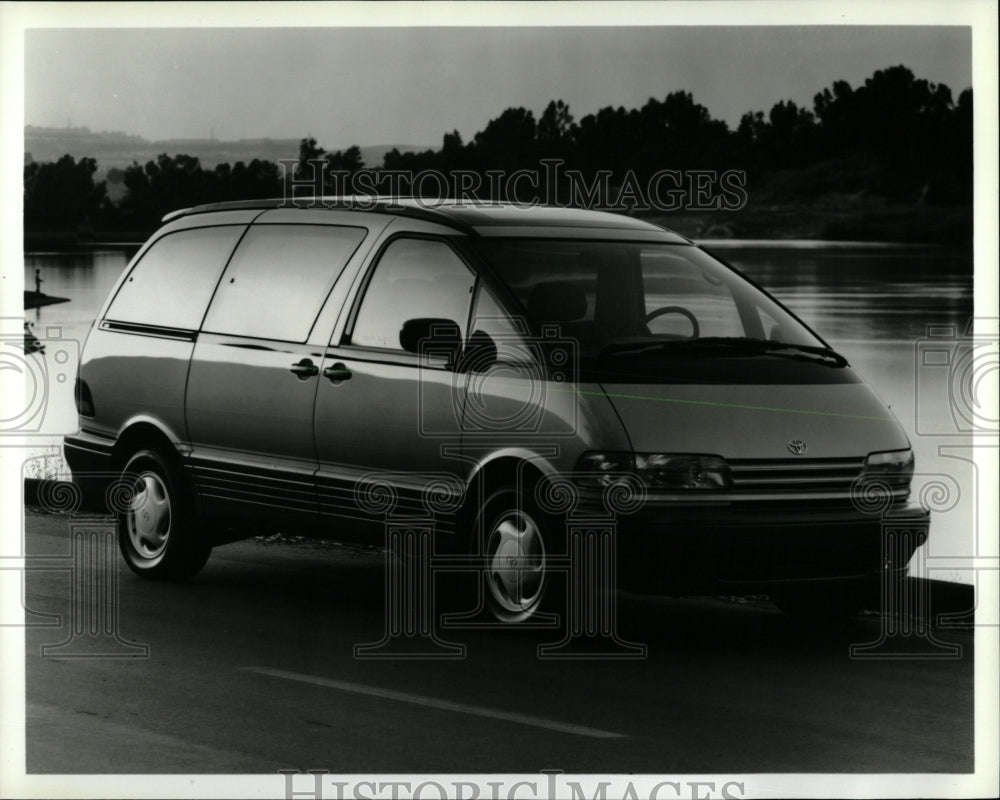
{"type": "Point", "coordinates": [402, 206]}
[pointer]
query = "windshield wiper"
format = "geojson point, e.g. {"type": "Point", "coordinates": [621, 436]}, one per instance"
{"type": "Point", "coordinates": [722, 346]}
{"type": "Point", "coordinates": [643, 344]}
{"type": "Point", "coordinates": [770, 346]}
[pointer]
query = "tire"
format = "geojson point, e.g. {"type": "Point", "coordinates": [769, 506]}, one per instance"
{"type": "Point", "coordinates": [158, 534]}
{"type": "Point", "coordinates": [515, 541]}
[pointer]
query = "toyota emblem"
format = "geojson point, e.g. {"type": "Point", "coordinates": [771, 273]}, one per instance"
{"type": "Point", "coordinates": [797, 446]}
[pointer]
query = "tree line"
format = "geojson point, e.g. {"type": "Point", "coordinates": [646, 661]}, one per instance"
{"type": "Point", "coordinates": [895, 136]}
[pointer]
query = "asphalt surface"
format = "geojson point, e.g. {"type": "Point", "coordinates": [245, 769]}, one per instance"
{"type": "Point", "coordinates": [251, 668]}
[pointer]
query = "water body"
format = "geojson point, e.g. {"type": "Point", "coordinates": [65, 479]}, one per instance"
{"type": "Point", "coordinates": [876, 304]}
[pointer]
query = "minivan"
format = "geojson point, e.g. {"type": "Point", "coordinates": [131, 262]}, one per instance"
{"type": "Point", "coordinates": [261, 366]}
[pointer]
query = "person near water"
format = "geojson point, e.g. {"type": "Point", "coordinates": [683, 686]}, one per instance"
{"type": "Point", "coordinates": [38, 281]}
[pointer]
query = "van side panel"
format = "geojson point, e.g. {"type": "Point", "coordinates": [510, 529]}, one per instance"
{"type": "Point", "coordinates": [128, 371]}
{"type": "Point", "coordinates": [254, 371]}
{"type": "Point", "coordinates": [138, 351]}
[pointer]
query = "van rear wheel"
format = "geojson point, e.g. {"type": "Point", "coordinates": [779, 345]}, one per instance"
{"type": "Point", "coordinates": [158, 534]}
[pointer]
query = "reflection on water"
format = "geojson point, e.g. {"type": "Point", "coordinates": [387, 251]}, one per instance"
{"type": "Point", "coordinates": [872, 303]}
{"type": "Point", "coordinates": [84, 276]}
{"type": "Point", "coordinates": [863, 293]}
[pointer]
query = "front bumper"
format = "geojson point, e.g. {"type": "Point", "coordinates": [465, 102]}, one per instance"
{"type": "Point", "coordinates": [747, 546]}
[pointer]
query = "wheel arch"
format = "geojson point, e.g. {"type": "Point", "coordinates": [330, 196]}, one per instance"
{"type": "Point", "coordinates": [509, 469]}
{"type": "Point", "coordinates": [139, 434]}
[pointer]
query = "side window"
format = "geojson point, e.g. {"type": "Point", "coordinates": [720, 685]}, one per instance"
{"type": "Point", "coordinates": [506, 334]}
{"type": "Point", "coordinates": [278, 280]}
{"type": "Point", "coordinates": [173, 282]}
{"type": "Point", "coordinates": [413, 278]}
{"type": "Point", "coordinates": [771, 328]}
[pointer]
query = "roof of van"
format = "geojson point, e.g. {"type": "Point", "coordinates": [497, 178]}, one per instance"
{"type": "Point", "coordinates": [473, 216]}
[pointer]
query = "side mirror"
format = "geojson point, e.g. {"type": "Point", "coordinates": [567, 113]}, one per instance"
{"type": "Point", "coordinates": [433, 337]}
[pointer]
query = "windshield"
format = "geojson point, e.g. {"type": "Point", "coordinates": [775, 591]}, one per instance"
{"type": "Point", "coordinates": [654, 311]}
{"type": "Point", "coordinates": [634, 293]}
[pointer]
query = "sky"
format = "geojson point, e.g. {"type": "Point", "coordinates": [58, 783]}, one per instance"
{"type": "Point", "coordinates": [372, 86]}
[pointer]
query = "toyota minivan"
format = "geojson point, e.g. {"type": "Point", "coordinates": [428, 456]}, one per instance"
{"type": "Point", "coordinates": [263, 367]}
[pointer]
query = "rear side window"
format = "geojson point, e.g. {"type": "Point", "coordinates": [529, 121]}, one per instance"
{"type": "Point", "coordinates": [279, 278]}
{"type": "Point", "coordinates": [173, 281]}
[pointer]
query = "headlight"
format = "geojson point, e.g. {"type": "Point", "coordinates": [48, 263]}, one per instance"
{"type": "Point", "coordinates": [605, 468]}
{"type": "Point", "coordinates": [894, 467]}
{"type": "Point", "coordinates": [656, 470]}
{"type": "Point", "coordinates": [664, 471]}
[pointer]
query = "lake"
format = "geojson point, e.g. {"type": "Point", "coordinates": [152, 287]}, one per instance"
{"type": "Point", "coordinates": [873, 303]}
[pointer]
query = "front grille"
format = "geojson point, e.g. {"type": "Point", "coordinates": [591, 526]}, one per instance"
{"type": "Point", "coordinates": [755, 476]}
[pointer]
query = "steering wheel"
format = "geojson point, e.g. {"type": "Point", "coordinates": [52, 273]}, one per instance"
{"type": "Point", "coordinates": [675, 310]}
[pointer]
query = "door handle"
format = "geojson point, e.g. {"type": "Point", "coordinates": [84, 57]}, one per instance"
{"type": "Point", "coordinates": [304, 369]}
{"type": "Point", "coordinates": [337, 374]}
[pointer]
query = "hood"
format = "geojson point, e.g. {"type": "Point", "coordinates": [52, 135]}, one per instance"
{"type": "Point", "coordinates": [756, 421]}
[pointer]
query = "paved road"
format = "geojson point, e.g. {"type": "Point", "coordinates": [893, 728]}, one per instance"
{"type": "Point", "coordinates": [251, 668]}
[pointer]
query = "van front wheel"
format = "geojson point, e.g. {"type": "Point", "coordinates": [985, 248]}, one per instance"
{"type": "Point", "coordinates": [158, 533]}
{"type": "Point", "coordinates": [515, 547]}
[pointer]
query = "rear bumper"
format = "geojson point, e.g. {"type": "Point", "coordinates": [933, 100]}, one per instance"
{"type": "Point", "coordinates": [686, 551]}
{"type": "Point", "coordinates": [90, 460]}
